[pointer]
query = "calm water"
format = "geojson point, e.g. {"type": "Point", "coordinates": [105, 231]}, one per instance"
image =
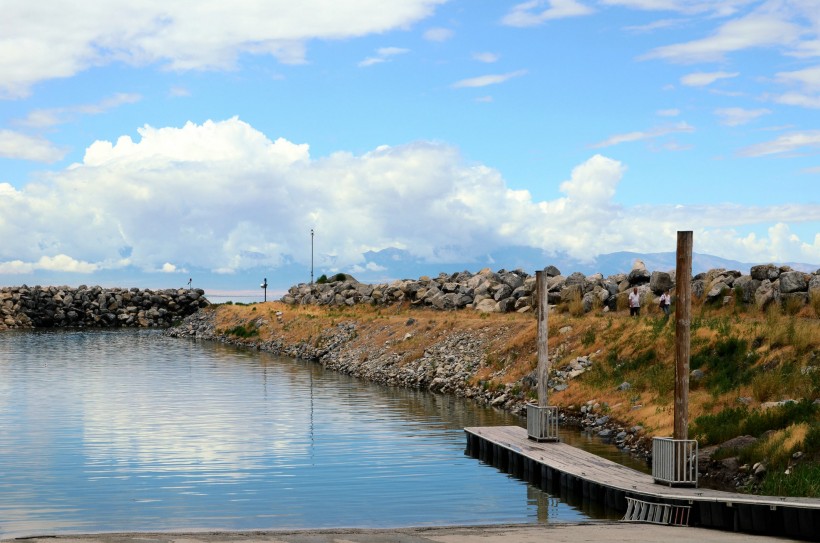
{"type": "Point", "coordinates": [131, 431]}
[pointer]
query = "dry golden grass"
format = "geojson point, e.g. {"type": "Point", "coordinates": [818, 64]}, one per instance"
{"type": "Point", "coordinates": [778, 341]}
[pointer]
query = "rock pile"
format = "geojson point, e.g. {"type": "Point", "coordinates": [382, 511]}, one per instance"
{"type": "Point", "coordinates": [44, 307]}
{"type": "Point", "coordinates": [505, 291]}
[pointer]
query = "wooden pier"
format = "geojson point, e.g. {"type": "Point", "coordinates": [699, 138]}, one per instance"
{"type": "Point", "coordinates": [562, 469]}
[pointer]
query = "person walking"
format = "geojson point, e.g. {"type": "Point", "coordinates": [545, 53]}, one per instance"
{"type": "Point", "coordinates": [634, 303]}
{"type": "Point", "coordinates": [665, 302]}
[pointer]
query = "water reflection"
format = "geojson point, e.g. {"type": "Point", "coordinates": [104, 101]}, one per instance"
{"type": "Point", "coordinates": [131, 431]}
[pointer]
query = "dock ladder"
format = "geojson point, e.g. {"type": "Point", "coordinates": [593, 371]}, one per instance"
{"type": "Point", "coordinates": [656, 513]}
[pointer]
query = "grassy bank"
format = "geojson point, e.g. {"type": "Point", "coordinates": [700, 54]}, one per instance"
{"type": "Point", "coordinates": [747, 362]}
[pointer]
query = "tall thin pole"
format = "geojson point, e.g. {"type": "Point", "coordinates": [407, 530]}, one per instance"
{"type": "Point", "coordinates": [543, 359]}
{"type": "Point", "coordinates": [311, 256]}
{"type": "Point", "coordinates": [683, 310]}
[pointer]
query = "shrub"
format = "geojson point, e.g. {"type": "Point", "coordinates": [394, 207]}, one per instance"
{"type": "Point", "coordinates": [717, 428]}
{"type": "Point", "coordinates": [322, 279]}
{"type": "Point", "coordinates": [729, 362]}
{"type": "Point", "coordinates": [812, 440]}
{"type": "Point", "coordinates": [765, 385]}
{"type": "Point", "coordinates": [792, 306]}
{"type": "Point", "coordinates": [776, 418]}
{"type": "Point", "coordinates": [736, 421]}
{"type": "Point", "coordinates": [242, 331]}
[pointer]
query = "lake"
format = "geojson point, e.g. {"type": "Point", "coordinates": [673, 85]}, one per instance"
{"type": "Point", "coordinates": [128, 430]}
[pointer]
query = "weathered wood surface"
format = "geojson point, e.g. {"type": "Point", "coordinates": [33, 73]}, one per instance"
{"type": "Point", "coordinates": [587, 466]}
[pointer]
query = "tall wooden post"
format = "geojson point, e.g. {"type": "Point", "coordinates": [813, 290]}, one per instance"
{"type": "Point", "coordinates": [542, 420]}
{"type": "Point", "coordinates": [683, 310]}
{"type": "Point", "coordinates": [543, 359]}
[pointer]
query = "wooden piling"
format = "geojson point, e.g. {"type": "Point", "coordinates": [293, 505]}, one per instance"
{"type": "Point", "coordinates": [543, 358]}
{"type": "Point", "coordinates": [683, 309]}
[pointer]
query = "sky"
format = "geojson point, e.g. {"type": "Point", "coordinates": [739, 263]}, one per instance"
{"type": "Point", "coordinates": [157, 143]}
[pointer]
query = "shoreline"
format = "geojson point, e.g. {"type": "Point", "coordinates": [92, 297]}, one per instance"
{"type": "Point", "coordinates": [564, 532]}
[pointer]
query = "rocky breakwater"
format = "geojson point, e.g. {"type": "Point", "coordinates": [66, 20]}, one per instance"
{"type": "Point", "coordinates": [506, 291]}
{"type": "Point", "coordinates": [45, 307]}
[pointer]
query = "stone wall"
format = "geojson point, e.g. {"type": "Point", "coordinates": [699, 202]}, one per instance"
{"type": "Point", "coordinates": [506, 291]}
{"type": "Point", "coordinates": [45, 307]}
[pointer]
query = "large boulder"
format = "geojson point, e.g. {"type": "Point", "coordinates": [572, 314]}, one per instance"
{"type": "Point", "coordinates": [746, 285]}
{"type": "Point", "coordinates": [638, 276]}
{"type": "Point", "coordinates": [765, 271]}
{"type": "Point", "coordinates": [487, 305]}
{"type": "Point", "coordinates": [793, 281]}
{"type": "Point", "coordinates": [765, 294]}
{"type": "Point", "coordinates": [660, 282]}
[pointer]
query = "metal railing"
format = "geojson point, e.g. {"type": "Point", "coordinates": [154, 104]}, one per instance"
{"type": "Point", "coordinates": [542, 422]}
{"type": "Point", "coordinates": [675, 461]}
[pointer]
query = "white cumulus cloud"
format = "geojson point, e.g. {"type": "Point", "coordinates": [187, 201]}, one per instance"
{"type": "Point", "coordinates": [224, 197]}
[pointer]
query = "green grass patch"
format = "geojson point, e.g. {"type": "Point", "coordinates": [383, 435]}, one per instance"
{"type": "Point", "coordinates": [738, 421]}
{"type": "Point", "coordinates": [803, 480]}
{"type": "Point", "coordinates": [728, 363]}
{"type": "Point", "coordinates": [244, 331]}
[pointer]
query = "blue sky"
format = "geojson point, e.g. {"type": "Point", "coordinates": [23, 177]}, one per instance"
{"type": "Point", "coordinates": [154, 141]}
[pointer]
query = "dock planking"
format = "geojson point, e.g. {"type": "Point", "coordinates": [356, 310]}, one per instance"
{"type": "Point", "coordinates": [550, 464]}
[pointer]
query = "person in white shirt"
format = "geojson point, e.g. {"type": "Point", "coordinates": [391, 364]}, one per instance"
{"type": "Point", "coordinates": [634, 303]}
{"type": "Point", "coordinates": [665, 301]}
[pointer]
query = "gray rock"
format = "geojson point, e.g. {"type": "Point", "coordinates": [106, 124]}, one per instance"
{"type": "Point", "coordinates": [552, 271]}
{"type": "Point", "coordinates": [765, 272]}
{"type": "Point", "coordinates": [660, 282]}
{"type": "Point", "coordinates": [638, 277]}
{"type": "Point", "coordinates": [793, 281]}
{"type": "Point", "coordinates": [746, 285]}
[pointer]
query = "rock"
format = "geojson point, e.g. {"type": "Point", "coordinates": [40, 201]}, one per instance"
{"type": "Point", "coordinates": [624, 386]}
{"type": "Point", "coordinates": [552, 271]}
{"type": "Point", "coordinates": [739, 442]}
{"type": "Point", "coordinates": [764, 272]}
{"type": "Point", "coordinates": [660, 282]}
{"type": "Point", "coordinates": [487, 305]}
{"type": "Point", "coordinates": [639, 277]}
{"type": "Point", "coordinates": [793, 281]}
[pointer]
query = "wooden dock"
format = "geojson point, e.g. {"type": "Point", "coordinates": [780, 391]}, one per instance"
{"type": "Point", "coordinates": [564, 470]}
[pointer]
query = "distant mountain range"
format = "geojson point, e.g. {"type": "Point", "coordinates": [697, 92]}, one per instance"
{"type": "Point", "coordinates": [400, 264]}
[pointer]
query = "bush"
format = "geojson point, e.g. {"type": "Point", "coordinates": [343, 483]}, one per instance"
{"type": "Point", "coordinates": [779, 417]}
{"type": "Point", "coordinates": [737, 421]}
{"type": "Point", "coordinates": [720, 427]}
{"type": "Point", "coordinates": [729, 364]}
{"type": "Point", "coordinates": [765, 386]}
{"type": "Point", "coordinates": [242, 331]}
